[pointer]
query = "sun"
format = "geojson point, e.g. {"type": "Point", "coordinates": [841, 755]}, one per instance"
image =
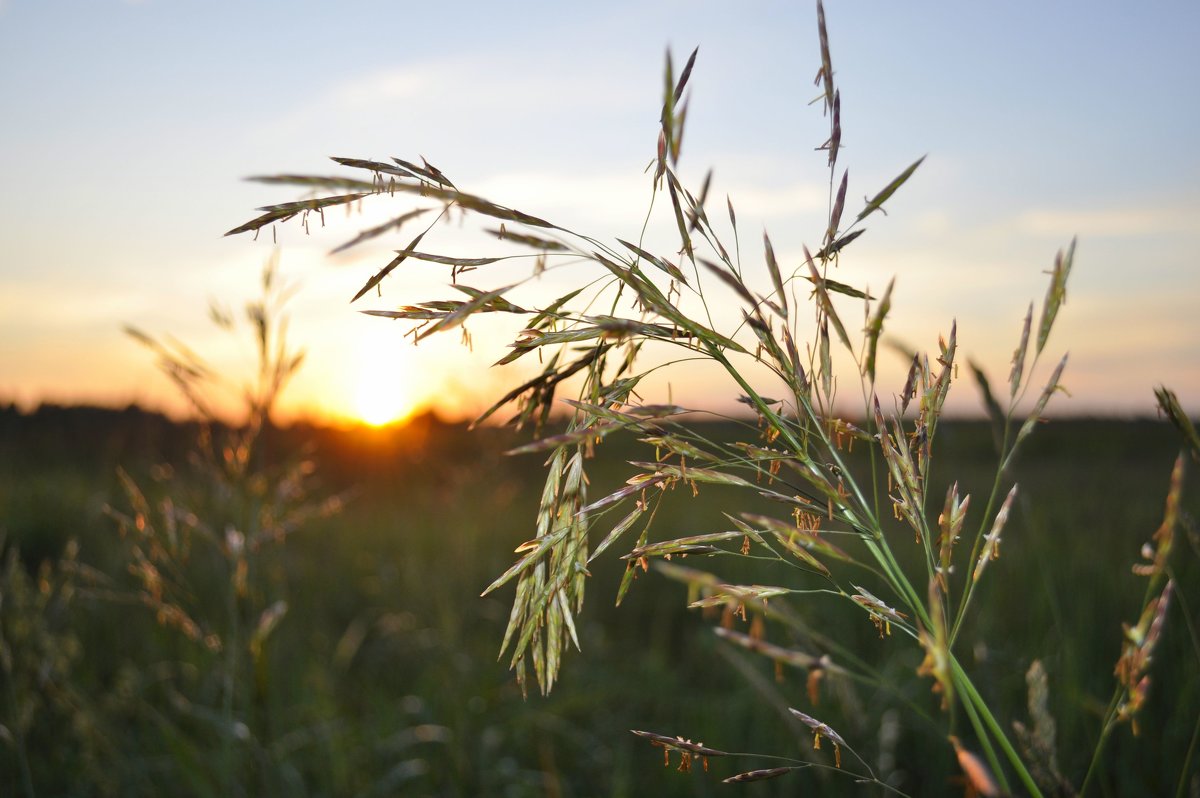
{"type": "Point", "coordinates": [384, 384]}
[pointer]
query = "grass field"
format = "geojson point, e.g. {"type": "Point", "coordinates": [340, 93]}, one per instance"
{"type": "Point", "coordinates": [382, 678]}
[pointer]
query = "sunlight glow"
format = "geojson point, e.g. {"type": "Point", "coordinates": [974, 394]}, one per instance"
{"type": "Point", "coordinates": [384, 384]}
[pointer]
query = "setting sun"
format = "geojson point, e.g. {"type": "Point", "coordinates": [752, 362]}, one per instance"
{"type": "Point", "coordinates": [383, 383]}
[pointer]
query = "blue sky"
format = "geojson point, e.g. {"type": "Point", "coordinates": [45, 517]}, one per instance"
{"type": "Point", "coordinates": [129, 126]}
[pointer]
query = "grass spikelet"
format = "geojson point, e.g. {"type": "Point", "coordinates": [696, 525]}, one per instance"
{"type": "Point", "coordinates": [1168, 403]}
{"type": "Point", "coordinates": [874, 329]}
{"type": "Point", "coordinates": [835, 214]}
{"type": "Point", "coordinates": [1052, 386]}
{"type": "Point", "coordinates": [776, 277]}
{"type": "Point", "coordinates": [820, 730]}
{"type": "Point", "coordinates": [1018, 359]}
{"type": "Point", "coordinates": [1040, 742]}
{"type": "Point", "coordinates": [876, 202]}
{"type": "Point", "coordinates": [1056, 294]}
{"type": "Point", "coordinates": [979, 778]}
{"type": "Point", "coordinates": [759, 775]}
{"type": "Point", "coordinates": [991, 545]}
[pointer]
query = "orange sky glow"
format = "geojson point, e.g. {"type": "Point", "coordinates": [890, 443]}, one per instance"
{"type": "Point", "coordinates": [129, 160]}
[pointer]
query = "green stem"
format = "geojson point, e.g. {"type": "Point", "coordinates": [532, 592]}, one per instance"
{"type": "Point", "coordinates": [988, 751]}
{"type": "Point", "coordinates": [969, 587]}
{"type": "Point", "coordinates": [1105, 731]}
{"type": "Point", "coordinates": [964, 685]}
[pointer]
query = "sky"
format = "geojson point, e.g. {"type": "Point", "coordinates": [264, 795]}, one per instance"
{"type": "Point", "coordinates": [129, 127]}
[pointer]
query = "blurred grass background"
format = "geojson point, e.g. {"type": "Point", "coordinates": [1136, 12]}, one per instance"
{"type": "Point", "coordinates": [383, 677]}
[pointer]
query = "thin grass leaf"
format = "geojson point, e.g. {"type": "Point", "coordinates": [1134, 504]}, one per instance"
{"type": "Point", "coordinates": [876, 203]}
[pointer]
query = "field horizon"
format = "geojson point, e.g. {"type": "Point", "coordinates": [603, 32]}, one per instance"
{"type": "Point", "coordinates": [384, 671]}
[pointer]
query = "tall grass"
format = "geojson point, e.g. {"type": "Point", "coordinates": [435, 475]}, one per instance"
{"type": "Point", "coordinates": [853, 519]}
{"type": "Point", "coordinates": [202, 545]}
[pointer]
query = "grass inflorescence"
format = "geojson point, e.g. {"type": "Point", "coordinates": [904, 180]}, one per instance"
{"type": "Point", "coordinates": [865, 527]}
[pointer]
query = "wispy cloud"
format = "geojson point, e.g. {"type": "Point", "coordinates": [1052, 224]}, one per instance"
{"type": "Point", "coordinates": [1124, 222]}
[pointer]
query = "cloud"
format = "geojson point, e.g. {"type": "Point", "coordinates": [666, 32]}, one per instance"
{"type": "Point", "coordinates": [425, 98]}
{"type": "Point", "coordinates": [388, 85]}
{"type": "Point", "coordinates": [1109, 222]}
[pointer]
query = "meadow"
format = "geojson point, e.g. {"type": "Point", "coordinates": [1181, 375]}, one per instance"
{"type": "Point", "coordinates": [382, 677]}
{"type": "Point", "coordinates": [802, 603]}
